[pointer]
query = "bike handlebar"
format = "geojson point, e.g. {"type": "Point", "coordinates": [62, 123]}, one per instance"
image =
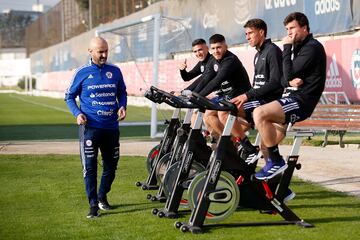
{"type": "Point", "coordinates": [159, 96]}
{"type": "Point", "coordinates": [207, 104]}
{"type": "Point", "coordinates": [196, 100]}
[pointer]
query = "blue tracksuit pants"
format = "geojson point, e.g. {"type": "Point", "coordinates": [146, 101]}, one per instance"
{"type": "Point", "coordinates": [91, 140]}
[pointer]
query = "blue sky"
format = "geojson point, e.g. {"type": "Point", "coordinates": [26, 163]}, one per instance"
{"type": "Point", "coordinates": [24, 4]}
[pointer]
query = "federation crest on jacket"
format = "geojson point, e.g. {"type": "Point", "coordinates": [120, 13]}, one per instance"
{"type": "Point", "coordinates": [109, 75]}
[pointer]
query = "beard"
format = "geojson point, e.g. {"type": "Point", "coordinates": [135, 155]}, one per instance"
{"type": "Point", "coordinates": [102, 60]}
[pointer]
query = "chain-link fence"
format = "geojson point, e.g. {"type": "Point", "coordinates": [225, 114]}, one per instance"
{"type": "Point", "coordinates": [69, 18]}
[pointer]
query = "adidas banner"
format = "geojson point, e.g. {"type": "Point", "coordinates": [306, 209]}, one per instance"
{"type": "Point", "coordinates": [273, 12]}
{"type": "Point", "coordinates": [325, 16]}
{"type": "Point", "coordinates": [343, 67]}
{"type": "Point", "coordinates": [329, 16]}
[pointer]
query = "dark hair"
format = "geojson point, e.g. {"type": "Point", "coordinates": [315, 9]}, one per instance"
{"type": "Point", "coordinates": [198, 42]}
{"type": "Point", "coordinates": [299, 17]}
{"type": "Point", "coordinates": [216, 38]}
{"type": "Point", "coordinates": [256, 23]}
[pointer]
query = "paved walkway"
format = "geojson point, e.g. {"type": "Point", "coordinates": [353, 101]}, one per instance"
{"type": "Point", "coordinates": [333, 167]}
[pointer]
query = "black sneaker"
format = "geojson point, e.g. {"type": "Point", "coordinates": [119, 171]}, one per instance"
{"type": "Point", "coordinates": [250, 156]}
{"type": "Point", "coordinates": [104, 204]}
{"type": "Point", "coordinates": [94, 212]}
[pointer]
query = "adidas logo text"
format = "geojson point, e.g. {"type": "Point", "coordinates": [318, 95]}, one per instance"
{"type": "Point", "coordinates": [333, 79]}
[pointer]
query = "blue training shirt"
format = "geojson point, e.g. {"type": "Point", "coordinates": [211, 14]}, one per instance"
{"type": "Point", "coordinates": [101, 91]}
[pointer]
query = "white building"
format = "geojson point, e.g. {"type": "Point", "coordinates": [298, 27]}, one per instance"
{"type": "Point", "coordinates": [13, 66]}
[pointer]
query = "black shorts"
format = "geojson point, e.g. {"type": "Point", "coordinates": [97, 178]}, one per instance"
{"type": "Point", "coordinates": [293, 110]}
{"type": "Point", "coordinates": [249, 109]}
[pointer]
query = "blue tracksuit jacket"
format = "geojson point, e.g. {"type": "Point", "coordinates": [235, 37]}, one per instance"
{"type": "Point", "coordinates": [101, 91]}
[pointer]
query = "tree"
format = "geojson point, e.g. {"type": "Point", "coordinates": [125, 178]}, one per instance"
{"type": "Point", "coordinates": [12, 28]}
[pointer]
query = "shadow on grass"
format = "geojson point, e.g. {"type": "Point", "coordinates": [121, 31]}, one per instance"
{"type": "Point", "coordinates": [120, 210]}
{"type": "Point", "coordinates": [130, 205]}
{"type": "Point", "coordinates": [320, 195]}
{"type": "Point", "coordinates": [312, 221]}
{"type": "Point", "coordinates": [183, 213]}
{"type": "Point", "coordinates": [210, 227]}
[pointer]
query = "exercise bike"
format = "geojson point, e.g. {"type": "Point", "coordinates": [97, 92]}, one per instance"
{"type": "Point", "coordinates": [195, 157]}
{"type": "Point", "coordinates": [164, 147]}
{"type": "Point", "coordinates": [166, 161]}
{"type": "Point", "coordinates": [228, 183]}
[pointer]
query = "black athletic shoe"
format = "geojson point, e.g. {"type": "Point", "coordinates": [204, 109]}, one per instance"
{"type": "Point", "coordinates": [94, 212]}
{"type": "Point", "coordinates": [104, 204]}
{"type": "Point", "coordinates": [250, 157]}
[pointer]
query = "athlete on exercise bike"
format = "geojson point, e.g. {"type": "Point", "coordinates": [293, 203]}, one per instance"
{"type": "Point", "coordinates": [225, 78]}
{"type": "Point", "coordinates": [266, 84]}
{"type": "Point", "coordinates": [304, 68]}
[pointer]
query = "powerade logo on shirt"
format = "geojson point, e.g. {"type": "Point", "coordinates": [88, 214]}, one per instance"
{"type": "Point", "coordinates": [101, 86]}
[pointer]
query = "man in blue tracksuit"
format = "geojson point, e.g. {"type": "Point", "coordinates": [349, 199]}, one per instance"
{"type": "Point", "coordinates": [103, 98]}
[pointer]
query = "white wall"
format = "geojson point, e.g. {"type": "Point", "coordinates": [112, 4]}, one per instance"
{"type": "Point", "coordinates": [11, 70]}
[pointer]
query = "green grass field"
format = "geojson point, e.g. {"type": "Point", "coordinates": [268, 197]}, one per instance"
{"type": "Point", "coordinates": [43, 197]}
{"type": "Point", "coordinates": [36, 118]}
{"type": "Point", "coordinates": [41, 118]}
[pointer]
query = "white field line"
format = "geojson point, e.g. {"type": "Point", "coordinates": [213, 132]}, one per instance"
{"type": "Point", "coordinates": [67, 111]}
{"type": "Point", "coordinates": [40, 104]}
